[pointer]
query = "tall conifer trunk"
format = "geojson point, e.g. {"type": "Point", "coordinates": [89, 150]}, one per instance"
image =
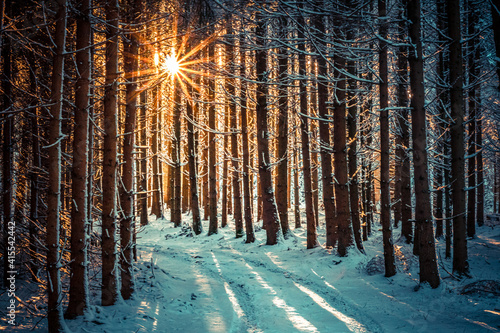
{"type": "Point", "coordinates": [460, 264]}
{"type": "Point", "coordinates": [54, 311]}
{"type": "Point", "coordinates": [282, 141]}
{"type": "Point", "coordinates": [312, 237]}
{"type": "Point", "coordinates": [270, 215]}
{"type": "Point", "coordinates": [385, 195]}
{"type": "Point", "coordinates": [110, 273]}
{"type": "Point", "coordinates": [78, 292]}
{"type": "Point", "coordinates": [324, 135]}
{"type": "Point", "coordinates": [247, 202]}
{"type": "Point", "coordinates": [127, 222]}
{"type": "Point", "coordinates": [423, 215]}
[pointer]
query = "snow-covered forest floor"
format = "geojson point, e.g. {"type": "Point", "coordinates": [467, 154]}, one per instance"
{"type": "Point", "coordinates": [198, 284]}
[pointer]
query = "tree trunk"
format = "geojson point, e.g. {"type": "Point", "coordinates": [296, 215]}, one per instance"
{"type": "Point", "coordinates": [403, 143]}
{"type": "Point", "coordinates": [225, 174]}
{"type": "Point", "coordinates": [231, 91]}
{"type": "Point", "coordinates": [473, 105]}
{"type": "Point", "coordinates": [8, 127]}
{"type": "Point", "coordinates": [282, 141]}
{"type": "Point", "coordinates": [176, 155]}
{"type": "Point", "coordinates": [54, 311]}
{"type": "Point", "coordinates": [495, 13]}
{"type": "Point", "coordinates": [109, 169]}
{"type": "Point", "coordinates": [34, 179]}
{"type": "Point", "coordinates": [193, 167]}
{"type": "Point", "coordinates": [460, 264]}
{"type": "Point", "coordinates": [247, 202]}
{"type": "Point", "coordinates": [344, 228]}
{"type": "Point", "coordinates": [312, 237]}
{"type": "Point", "coordinates": [423, 215]}
{"type": "Point", "coordinates": [353, 150]}
{"type": "Point", "coordinates": [212, 153]}
{"type": "Point", "coordinates": [385, 195]}
{"type": "Point", "coordinates": [78, 291]}
{"type": "Point", "coordinates": [127, 223]}
{"type": "Point", "coordinates": [270, 215]}
{"type": "Point", "coordinates": [324, 135]}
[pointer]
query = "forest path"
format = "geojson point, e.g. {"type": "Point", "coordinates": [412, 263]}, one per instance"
{"type": "Point", "coordinates": [222, 289]}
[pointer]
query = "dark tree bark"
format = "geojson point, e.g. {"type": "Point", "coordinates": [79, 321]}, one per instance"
{"type": "Point", "coordinates": [403, 210]}
{"type": "Point", "coordinates": [247, 202]}
{"type": "Point", "coordinates": [282, 141]}
{"type": "Point", "coordinates": [324, 135]}
{"type": "Point", "coordinates": [495, 13]}
{"type": "Point", "coordinates": [270, 215]}
{"type": "Point", "coordinates": [353, 149]}
{"type": "Point", "coordinates": [385, 195]}
{"type": "Point", "coordinates": [296, 191]}
{"type": "Point", "coordinates": [460, 264]}
{"type": "Point", "coordinates": [423, 215]}
{"type": "Point", "coordinates": [176, 154]}
{"type": "Point", "coordinates": [8, 128]}
{"type": "Point", "coordinates": [479, 163]}
{"type": "Point", "coordinates": [35, 185]}
{"type": "Point", "coordinates": [156, 199]}
{"type": "Point", "coordinates": [193, 167]}
{"type": "Point", "coordinates": [78, 291]}
{"type": "Point", "coordinates": [143, 201]}
{"type": "Point", "coordinates": [212, 156]}
{"type": "Point", "coordinates": [231, 90]}
{"type": "Point", "coordinates": [109, 287]}
{"type": "Point", "coordinates": [54, 311]}
{"type": "Point", "coordinates": [127, 195]}
{"type": "Point", "coordinates": [312, 237]}
{"type": "Point", "coordinates": [225, 173]}
{"type": "Point", "coordinates": [473, 105]}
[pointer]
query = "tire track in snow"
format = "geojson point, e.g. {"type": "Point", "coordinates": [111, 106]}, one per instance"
{"type": "Point", "coordinates": [329, 299]}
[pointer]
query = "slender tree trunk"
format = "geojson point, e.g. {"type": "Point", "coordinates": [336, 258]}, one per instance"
{"type": "Point", "coordinates": [479, 161]}
{"type": "Point", "coordinates": [344, 228]}
{"type": "Point", "coordinates": [473, 75]}
{"type": "Point", "coordinates": [495, 13]}
{"type": "Point", "coordinates": [127, 223]}
{"type": "Point", "coordinates": [296, 191]}
{"type": "Point", "coordinates": [312, 237]}
{"type": "Point", "coordinates": [34, 178]}
{"type": "Point", "coordinates": [282, 142]}
{"type": "Point", "coordinates": [8, 144]}
{"type": "Point", "coordinates": [54, 311]}
{"type": "Point", "coordinates": [403, 143]}
{"type": "Point", "coordinates": [247, 202]}
{"type": "Point", "coordinates": [353, 149]}
{"type": "Point", "coordinates": [225, 174]}
{"type": "Point", "coordinates": [176, 155]}
{"type": "Point", "coordinates": [460, 264]}
{"type": "Point", "coordinates": [109, 287]}
{"type": "Point", "coordinates": [385, 195]}
{"type": "Point", "coordinates": [325, 147]}
{"type": "Point", "coordinates": [156, 205]}
{"type": "Point", "coordinates": [79, 289]}
{"type": "Point", "coordinates": [193, 168]}
{"type": "Point", "coordinates": [270, 215]}
{"type": "Point", "coordinates": [212, 156]}
{"type": "Point", "coordinates": [143, 203]}
{"type": "Point", "coordinates": [423, 215]}
{"type": "Point", "coordinates": [231, 91]}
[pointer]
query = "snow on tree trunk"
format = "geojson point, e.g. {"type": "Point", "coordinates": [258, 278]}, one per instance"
{"type": "Point", "coordinates": [54, 311]}
{"type": "Point", "coordinates": [78, 291]}
{"type": "Point", "coordinates": [423, 215]}
{"type": "Point", "coordinates": [110, 273]}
